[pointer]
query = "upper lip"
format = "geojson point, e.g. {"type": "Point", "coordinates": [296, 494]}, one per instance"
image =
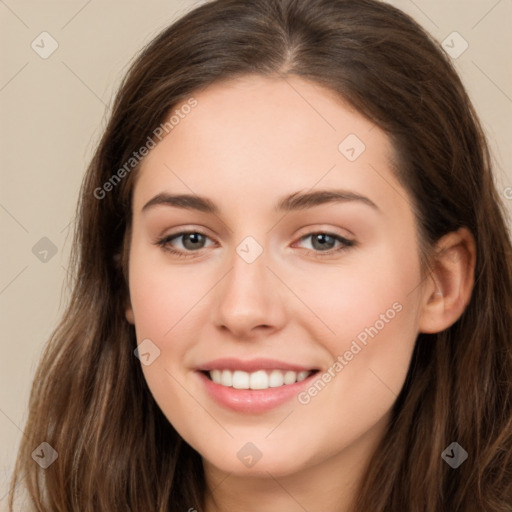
{"type": "Point", "coordinates": [251, 365]}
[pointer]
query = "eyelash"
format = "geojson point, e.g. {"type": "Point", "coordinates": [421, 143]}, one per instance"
{"type": "Point", "coordinates": [345, 244]}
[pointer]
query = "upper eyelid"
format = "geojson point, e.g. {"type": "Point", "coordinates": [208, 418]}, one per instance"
{"type": "Point", "coordinates": [310, 231]}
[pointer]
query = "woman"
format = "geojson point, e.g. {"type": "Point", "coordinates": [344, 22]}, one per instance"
{"type": "Point", "coordinates": [340, 337]}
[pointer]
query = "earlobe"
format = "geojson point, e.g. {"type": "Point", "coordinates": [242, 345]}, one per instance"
{"type": "Point", "coordinates": [448, 288]}
{"type": "Point", "coordinates": [129, 315]}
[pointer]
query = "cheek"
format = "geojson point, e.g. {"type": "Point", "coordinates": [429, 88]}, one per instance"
{"type": "Point", "coordinates": [371, 309]}
{"type": "Point", "coordinates": [166, 304]}
{"type": "Point", "coordinates": [164, 299]}
{"type": "Point", "coordinates": [364, 293]}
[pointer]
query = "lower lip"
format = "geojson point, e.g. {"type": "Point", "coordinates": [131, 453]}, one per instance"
{"type": "Point", "coordinates": [253, 401]}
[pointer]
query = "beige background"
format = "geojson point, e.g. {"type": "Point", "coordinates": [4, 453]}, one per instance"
{"type": "Point", "coordinates": [53, 110]}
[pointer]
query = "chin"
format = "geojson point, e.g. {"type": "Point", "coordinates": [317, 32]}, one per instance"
{"type": "Point", "coordinates": [258, 460]}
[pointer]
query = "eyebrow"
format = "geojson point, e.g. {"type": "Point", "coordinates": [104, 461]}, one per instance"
{"type": "Point", "coordinates": [295, 201]}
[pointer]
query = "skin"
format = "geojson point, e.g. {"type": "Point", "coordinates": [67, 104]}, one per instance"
{"type": "Point", "coordinates": [247, 144]}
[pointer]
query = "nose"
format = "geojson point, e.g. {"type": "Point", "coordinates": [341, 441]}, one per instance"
{"type": "Point", "coordinates": [249, 300]}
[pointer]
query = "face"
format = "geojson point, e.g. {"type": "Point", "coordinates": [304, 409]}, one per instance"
{"type": "Point", "coordinates": [279, 304]}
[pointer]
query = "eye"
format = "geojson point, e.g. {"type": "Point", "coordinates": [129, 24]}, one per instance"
{"type": "Point", "coordinates": [322, 242]}
{"type": "Point", "coordinates": [191, 241]}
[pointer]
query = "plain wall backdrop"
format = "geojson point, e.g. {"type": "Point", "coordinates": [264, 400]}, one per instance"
{"type": "Point", "coordinates": [61, 64]}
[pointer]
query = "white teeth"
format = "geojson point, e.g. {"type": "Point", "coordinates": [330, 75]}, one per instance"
{"type": "Point", "coordinates": [216, 376]}
{"type": "Point", "coordinates": [276, 379]}
{"type": "Point", "coordinates": [290, 377]}
{"type": "Point", "coordinates": [260, 379]}
{"type": "Point", "coordinates": [302, 375]}
{"type": "Point", "coordinates": [240, 380]}
{"type": "Point", "coordinates": [226, 378]}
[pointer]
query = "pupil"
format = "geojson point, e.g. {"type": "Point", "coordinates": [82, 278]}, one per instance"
{"type": "Point", "coordinates": [195, 238]}
{"type": "Point", "coordinates": [322, 238]}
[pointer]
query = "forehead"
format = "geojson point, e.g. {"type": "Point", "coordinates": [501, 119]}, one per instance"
{"type": "Point", "coordinates": [257, 134]}
{"type": "Point", "coordinates": [265, 114]}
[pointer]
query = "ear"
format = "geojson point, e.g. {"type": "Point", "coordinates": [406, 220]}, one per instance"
{"type": "Point", "coordinates": [120, 262]}
{"type": "Point", "coordinates": [129, 313]}
{"type": "Point", "coordinates": [449, 285]}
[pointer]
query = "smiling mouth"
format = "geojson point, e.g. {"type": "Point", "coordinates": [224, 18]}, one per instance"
{"type": "Point", "coordinates": [260, 379]}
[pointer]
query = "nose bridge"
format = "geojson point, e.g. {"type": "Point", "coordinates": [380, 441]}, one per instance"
{"type": "Point", "coordinates": [247, 282]}
{"type": "Point", "coordinates": [247, 298]}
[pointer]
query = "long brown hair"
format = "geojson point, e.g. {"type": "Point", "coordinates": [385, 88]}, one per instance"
{"type": "Point", "coordinates": [90, 402]}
